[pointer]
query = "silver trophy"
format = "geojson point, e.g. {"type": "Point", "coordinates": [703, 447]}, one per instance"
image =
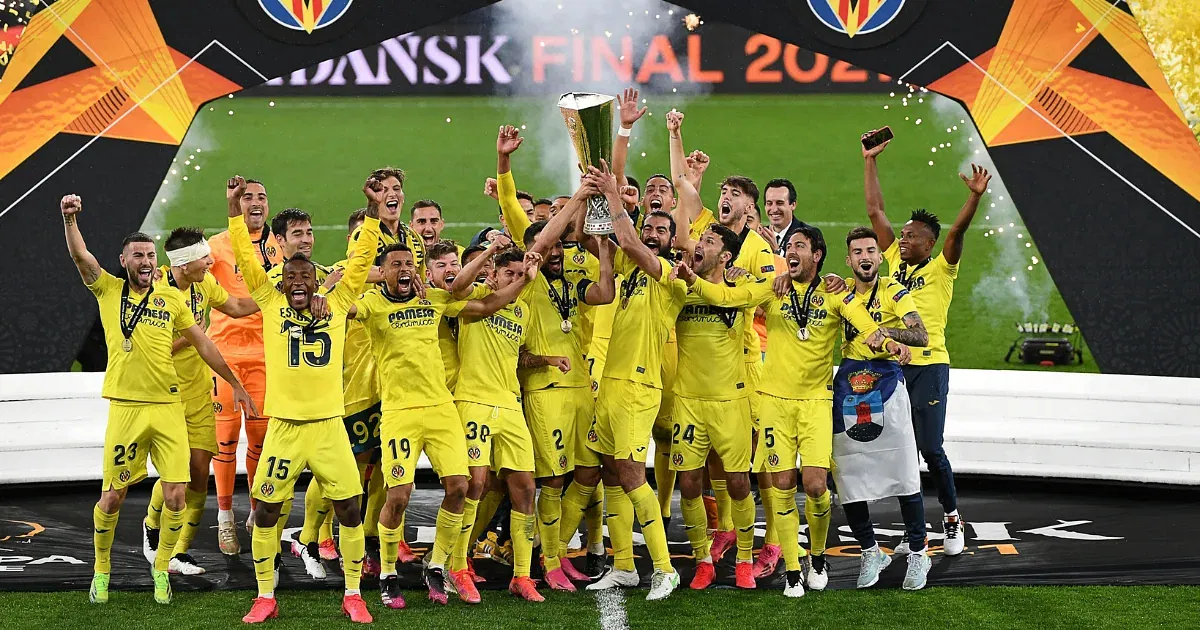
{"type": "Point", "coordinates": [589, 119]}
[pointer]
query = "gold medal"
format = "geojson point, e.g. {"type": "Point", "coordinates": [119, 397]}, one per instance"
{"type": "Point", "coordinates": [295, 332]}
{"type": "Point", "coordinates": [802, 334]}
{"type": "Point", "coordinates": [127, 345]}
{"type": "Point", "coordinates": [566, 326]}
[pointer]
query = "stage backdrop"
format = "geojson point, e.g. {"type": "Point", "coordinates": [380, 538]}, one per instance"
{"type": "Point", "coordinates": [1066, 93]}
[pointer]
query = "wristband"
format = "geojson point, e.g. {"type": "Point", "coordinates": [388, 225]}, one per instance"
{"type": "Point", "coordinates": [623, 132]}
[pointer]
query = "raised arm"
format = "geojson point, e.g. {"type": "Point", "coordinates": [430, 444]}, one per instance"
{"type": "Point", "coordinates": [604, 290]}
{"type": "Point", "coordinates": [359, 263]}
{"type": "Point", "coordinates": [627, 235]}
{"type": "Point", "coordinates": [493, 302]}
{"type": "Point", "coordinates": [461, 287]}
{"type": "Point", "coordinates": [558, 223]}
{"type": "Point", "coordinates": [239, 236]}
{"type": "Point", "coordinates": [977, 183]}
{"type": "Point", "coordinates": [85, 262]}
{"type": "Point", "coordinates": [627, 102]}
{"type": "Point", "coordinates": [210, 354]}
{"type": "Point", "coordinates": [874, 195]}
{"type": "Point", "coordinates": [913, 334]}
{"type": "Point", "coordinates": [746, 294]}
{"type": "Point", "coordinates": [509, 140]}
{"type": "Point", "coordinates": [689, 206]}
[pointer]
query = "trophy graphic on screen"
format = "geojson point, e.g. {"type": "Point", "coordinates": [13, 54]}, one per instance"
{"type": "Point", "coordinates": [589, 119]}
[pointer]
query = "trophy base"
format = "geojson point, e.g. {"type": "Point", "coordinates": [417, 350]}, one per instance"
{"type": "Point", "coordinates": [603, 228]}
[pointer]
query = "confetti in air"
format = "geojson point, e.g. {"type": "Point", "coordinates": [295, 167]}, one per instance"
{"type": "Point", "coordinates": [691, 21]}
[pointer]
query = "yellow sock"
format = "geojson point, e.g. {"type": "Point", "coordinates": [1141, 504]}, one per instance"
{"type": "Point", "coordinates": [787, 523]}
{"type": "Point", "coordinates": [154, 509]}
{"type": "Point", "coordinates": [743, 522]}
{"type": "Point", "coordinates": [316, 509]}
{"type": "Point", "coordinates": [521, 528]}
{"type": "Point", "coordinates": [284, 513]}
{"type": "Point", "coordinates": [818, 514]}
{"type": "Point", "coordinates": [572, 506]}
{"type": "Point", "coordinates": [664, 477]}
{"type": "Point", "coordinates": [768, 498]}
{"type": "Point", "coordinates": [449, 525]}
{"type": "Point", "coordinates": [620, 527]}
{"type": "Point", "coordinates": [264, 545]}
{"type": "Point", "coordinates": [102, 538]}
{"type": "Point", "coordinates": [549, 509]}
{"type": "Point", "coordinates": [695, 523]}
{"type": "Point", "coordinates": [193, 511]}
{"type": "Point", "coordinates": [389, 539]}
{"type": "Point", "coordinates": [594, 515]}
{"type": "Point", "coordinates": [172, 524]}
{"type": "Point", "coordinates": [488, 504]}
{"type": "Point", "coordinates": [463, 540]}
{"type": "Point", "coordinates": [645, 506]}
{"type": "Point", "coordinates": [354, 547]}
{"type": "Point", "coordinates": [724, 505]}
{"type": "Point", "coordinates": [376, 497]}
{"type": "Point", "coordinates": [326, 532]}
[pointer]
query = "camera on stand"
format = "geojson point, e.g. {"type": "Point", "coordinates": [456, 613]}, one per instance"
{"type": "Point", "coordinates": [1047, 344]}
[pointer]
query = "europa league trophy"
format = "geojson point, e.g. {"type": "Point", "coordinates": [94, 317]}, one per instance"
{"type": "Point", "coordinates": [589, 119]}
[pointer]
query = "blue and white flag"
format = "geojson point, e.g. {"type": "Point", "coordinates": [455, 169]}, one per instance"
{"type": "Point", "coordinates": [874, 449]}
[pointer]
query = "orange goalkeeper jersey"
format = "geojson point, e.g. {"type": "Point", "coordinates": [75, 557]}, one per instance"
{"type": "Point", "coordinates": [243, 335]}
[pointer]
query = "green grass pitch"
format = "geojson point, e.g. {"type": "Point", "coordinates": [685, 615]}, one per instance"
{"type": "Point", "coordinates": [314, 153]}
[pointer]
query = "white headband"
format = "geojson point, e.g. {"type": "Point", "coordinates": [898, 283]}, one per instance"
{"type": "Point", "coordinates": [190, 253]}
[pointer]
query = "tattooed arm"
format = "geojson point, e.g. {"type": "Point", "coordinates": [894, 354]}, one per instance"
{"type": "Point", "coordinates": [528, 360]}
{"type": "Point", "coordinates": [913, 334]}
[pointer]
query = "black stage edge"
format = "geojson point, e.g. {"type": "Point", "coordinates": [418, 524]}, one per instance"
{"type": "Point", "coordinates": [1019, 532]}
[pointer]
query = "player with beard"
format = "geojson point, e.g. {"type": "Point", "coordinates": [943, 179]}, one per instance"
{"type": "Point", "coordinates": [188, 275]}
{"type": "Point", "coordinates": [632, 390]}
{"type": "Point", "coordinates": [425, 218]}
{"type": "Point", "coordinates": [795, 405]}
{"type": "Point", "coordinates": [146, 416]}
{"type": "Point", "coordinates": [558, 404]}
{"type": "Point", "coordinates": [241, 343]}
{"type": "Point", "coordinates": [895, 312]}
{"type": "Point", "coordinates": [931, 281]}
{"type": "Point", "coordinates": [305, 399]}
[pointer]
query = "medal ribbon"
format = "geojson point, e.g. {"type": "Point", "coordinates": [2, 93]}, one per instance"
{"type": "Point", "coordinates": [851, 331]}
{"type": "Point", "coordinates": [801, 315]}
{"type": "Point", "coordinates": [129, 319]}
{"type": "Point", "coordinates": [908, 279]}
{"type": "Point", "coordinates": [561, 304]}
{"type": "Point", "coordinates": [628, 285]}
{"type": "Point", "coordinates": [262, 247]}
{"type": "Point", "coordinates": [191, 290]}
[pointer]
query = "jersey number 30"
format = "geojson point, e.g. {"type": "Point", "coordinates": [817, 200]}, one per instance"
{"type": "Point", "coordinates": [319, 358]}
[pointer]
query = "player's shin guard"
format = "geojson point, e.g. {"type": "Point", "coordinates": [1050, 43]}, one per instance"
{"type": "Point", "coordinates": [389, 547]}
{"type": "Point", "coordinates": [463, 540]}
{"type": "Point", "coordinates": [743, 521]}
{"type": "Point", "coordinates": [724, 505]}
{"type": "Point", "coordinates": [193, 511]}
{"type": "Point", "coordinates": [316, 509]}
{"type": "Point", "coordinates": [620, 527]}
{"type": "Point", "coordinates": [574, 503]}
{"type": "Point", "coordinates": [172, 524]}
{"type": "Point", "coordinates": [787, 526]}
{"type": "Point", "coordinates": [488, 505]}
{"type": "Point", "coordinates": [449, 526]}
{"type": "Point", "coordinates": [818, 514]}
{"type": "Point", "coordinates": [155, 507]}
{"type": "Point", "coordinates": [695, 523]}
{"type": "Point", "coordinates": [354, 547]}
{"type": "Point", "coordinates": [105, 528]}
{"type": "Point", "coordinates": [521, 526]}
{"type": "Point", "coordinates": [645, 506]}
{"type": "Point", "coordinates": [664, 477]}
{"type": "Point", "coordinates": [549, 510]}
{"type": "Point", "coordinates": [264, 546]}
{"type": "Point", "coordinates": [594, 518]}
{"type": "Point", "coordinates": [768, 499]}
{"type": "Point", "coordinates": [376, 497]}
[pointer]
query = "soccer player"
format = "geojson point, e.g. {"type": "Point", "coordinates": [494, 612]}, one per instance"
{"type": "Point", "coordinates": [631, 390]}
{"type": "Point", "coordinates": [488, 397]}
{"type": "Point", "coordinates": [305, 398]}
{"type": "Point", "coordinates": [870, 476]}
{"type": "Point", "coordinates": [559, 406]}
{"type": "Point", "coordinates": [393, 230]}
{"type": "Point", "coordinates": [930, 280]}
{"type": "Point", "coordinates": [188, 275]}
{"type": "Point", "coordinates": [780, 196]}
{"type": "Point", "coordinates": [425, 218]}
{"type": "Point", "coordinates": [795, 397]}
{"type": "Point", "coordinates": [145, 414]}
{"type": "Point", "coordinates": [241, 343]}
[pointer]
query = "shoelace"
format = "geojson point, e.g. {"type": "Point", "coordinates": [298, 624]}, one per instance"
{"type": "Point", "coordinates": [952, 529]}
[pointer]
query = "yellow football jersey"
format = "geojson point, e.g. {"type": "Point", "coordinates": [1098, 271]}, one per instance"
{"type": "Point", "coordinates": [931, 284]}
{"type": "Point", "coordinates": [147, 372]}
{"type": "Point", "coordinates": [404, 339]}
{"type": "Point", "coordinates": [645, 315]}
{"type": "Point", "coordinates": [710, 364]}
{"type": "Point", "coordinates": [757, 258]}
{"type": "Point", "coordinates": [889, 303]}
{"type": "Point", "coordinates": [194, 376]}
{"type": "Point", "coordinates": [406, 235]}
{"type": "Point", "coordinates": [703, 220]}
{"type": "Point", "coordinates": [489, 349]}
{"type": "Point", "coordinates": [579, 263]}
{"type": "Point", "coordinates": [304, 356]}
{"type": "Point", "coordinates": [275, 275]}
{"type": "Point", "coordinates": [799, 369]}
{"type": "Point", "coordinates": [448, 338]}
{"type": "Point", "coordinates": [545, 335]}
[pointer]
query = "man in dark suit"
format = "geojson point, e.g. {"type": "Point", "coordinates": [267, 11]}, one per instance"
{"type": "Point", "coordinates": [780, 197]}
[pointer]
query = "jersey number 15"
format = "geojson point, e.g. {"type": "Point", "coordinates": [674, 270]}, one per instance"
{"type": "Point", "coordinates": [319, 358]}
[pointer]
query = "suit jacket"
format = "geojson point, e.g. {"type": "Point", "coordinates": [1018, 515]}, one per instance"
{"type": "Point", "coordinates": [787, 235]}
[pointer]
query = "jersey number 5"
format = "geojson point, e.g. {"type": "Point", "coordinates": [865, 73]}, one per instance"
{"type": "Point", "coordinates": [310, 338]}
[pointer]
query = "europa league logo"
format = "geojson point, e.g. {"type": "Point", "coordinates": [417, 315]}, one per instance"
{"type": "Point", "coordinates": [589, 119]}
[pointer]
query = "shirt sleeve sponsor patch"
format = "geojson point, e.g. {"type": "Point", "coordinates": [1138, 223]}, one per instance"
{"type": "Point", "coordinates": [849, 298]}
{"type": "Point", "coordinates": [899, 295]}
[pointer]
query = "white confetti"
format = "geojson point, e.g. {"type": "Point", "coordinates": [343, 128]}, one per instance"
{"type": "Point", "coordinates": [1014, 278]}
{"type": "Point", "coordinates": [231, 112]}
{"type": "Point", "coordinates": [918, 121]}
{"type": "Point", "coordinates": [1030, 268]}
{"type": "Point", "coordinates": [933, 149]}
{"type": "Point", "coordinates": [447, 119]}
{"type": "Point", "coordinates": [1028, 244]}
{"type": "Point", "coordinates": [643, 154]}
{"type": "Point", "coordinates": [173, 172]}
{"type": "Point", "coordinates": [271, 104]}
{"type": "Point", "coordinates": [931, 162]}
{"type": "Point", "coordinates": [885, 106]}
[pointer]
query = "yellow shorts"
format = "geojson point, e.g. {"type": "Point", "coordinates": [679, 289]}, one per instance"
{"type": "Point", "coordinates": [625, 414]}
{"type": "Point", "coordinates": [201, 423]}
{"type": "Point", "coordinates": [404, 433]}
{"type": "Point", "coordinates": [753, 376]}
{"type": "Point", "coordinates": [702, 426]}
{"type": "Point", "coordinates": [596, 355]}
{"type": "Point", "coordinates": [496, 437]}
{"type": "Point", "coordinates": [136, 430]}
{"type": "Point", "coordinates": [556, 415]}
{"type": "Point", "coordinates": [789, 428]}
{"type": "Point", "coordinates": [319, 445]}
